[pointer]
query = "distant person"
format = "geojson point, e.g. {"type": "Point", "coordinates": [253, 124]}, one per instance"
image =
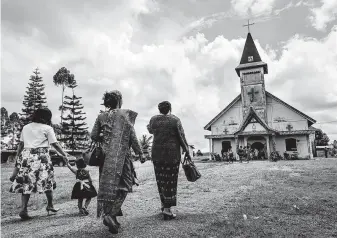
{"type": "Point", "coordinates": [168, 137]}
{"type": "Point", "coordinates": [240, 153]}
{"type": "Point", "coordinates": [34, 170]}
{"type": "Point", "coordinates": [326, 152]}
{"type": "Point", "coordinates": [115, 129]}
{"type": "Point", "coordinates": [83, 188]}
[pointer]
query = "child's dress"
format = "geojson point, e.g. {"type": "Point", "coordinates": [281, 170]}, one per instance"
{"type": "Point", "coordinates": [83, 188]}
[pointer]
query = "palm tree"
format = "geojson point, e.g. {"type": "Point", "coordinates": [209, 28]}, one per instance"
{"type": "Point", "coordinates": [145, 142]}
{"type": "Point", "coordinates": [65, 78]}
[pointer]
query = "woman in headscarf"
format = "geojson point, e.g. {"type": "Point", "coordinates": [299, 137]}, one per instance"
{"type": "Point", "coordinates": [168, 138]}
{"type": "Point", "coordinates": [34, 171]}
{"type": "Point", "coordinates": [115, 130]}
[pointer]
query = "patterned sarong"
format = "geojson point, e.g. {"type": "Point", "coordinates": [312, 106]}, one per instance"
{"type": "Point", "coordinates": [167, 181]}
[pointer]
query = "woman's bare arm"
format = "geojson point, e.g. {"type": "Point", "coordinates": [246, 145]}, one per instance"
{"type": "Point", "coordinates": [59, 149]}
{"type": "Point", "coordinates": [71, 168]}
{"type": "Point", "coordinates": [20, 148]}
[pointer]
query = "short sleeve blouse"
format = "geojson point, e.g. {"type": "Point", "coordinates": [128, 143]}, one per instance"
{"type": "Point", "coordinates": [35, 135]}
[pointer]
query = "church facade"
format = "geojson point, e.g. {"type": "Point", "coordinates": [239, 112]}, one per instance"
{"type": "Point", "coordinates": [258, 119]}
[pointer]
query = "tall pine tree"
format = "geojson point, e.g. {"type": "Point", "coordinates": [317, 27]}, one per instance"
{"type": "Point", "coordinates": [4, 121]}
{"type": "Point", "coordinates": [73, 126]}
{"type": "Point", "coordinates": [35, 97]}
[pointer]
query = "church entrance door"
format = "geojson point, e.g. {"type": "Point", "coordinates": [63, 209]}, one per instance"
{"type": "Point", "coordinates": [258, 147]}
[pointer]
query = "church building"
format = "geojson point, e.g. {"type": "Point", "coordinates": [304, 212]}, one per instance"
{"type": "Point", "coordinates": [258, 119]}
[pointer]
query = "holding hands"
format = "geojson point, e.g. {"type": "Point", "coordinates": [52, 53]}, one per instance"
{"type": "Point", "coordinates": [142, 158]}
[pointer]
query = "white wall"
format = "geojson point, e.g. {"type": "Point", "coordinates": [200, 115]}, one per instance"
{"type": "Point", "coordinates": [278, 110]}
{"type": "Point", "coordinates": [217, 145]}
{"type": "Point", "coordinates": [233, 114]}
{"type": "Point", "coordinates": [302, 144]}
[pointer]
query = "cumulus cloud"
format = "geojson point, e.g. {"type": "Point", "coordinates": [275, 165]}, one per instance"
{"type": "Point", "coordinates": [254, 7]}
{"type": "Point", "coordinates": [324, 14]}
{"type": "Point", "coordinates": [106, 51]}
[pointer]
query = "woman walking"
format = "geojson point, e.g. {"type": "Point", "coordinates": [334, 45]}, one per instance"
{"type": "Point", "coordinates": [33, 170]}
{"type": "Point", "coordinates": [168, 137]}
{"type": "Point", "coordinates": [115, 129]}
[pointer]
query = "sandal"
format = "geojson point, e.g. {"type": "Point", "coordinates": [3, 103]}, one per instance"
{"type": "Point", "coordinates": [24, 216]}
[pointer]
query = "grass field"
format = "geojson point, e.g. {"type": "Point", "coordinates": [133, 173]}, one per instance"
{"type": "Point", "coordinates": [258, 199]}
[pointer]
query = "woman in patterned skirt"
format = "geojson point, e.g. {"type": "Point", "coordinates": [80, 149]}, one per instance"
{"type": "Point", "coordinates": [168, 138]}
{"type": "Point", "coordinates": [33, 170]}
{"type": "Point", "coordinates": [115, 129]}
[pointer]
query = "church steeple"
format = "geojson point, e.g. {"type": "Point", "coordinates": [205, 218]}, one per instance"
{"type": "Point", "coordinates": [251, 71]}
{"type": "Point", "coordinates": [250, 57]}
{"type": "Point", "coordinates": [250, 51]}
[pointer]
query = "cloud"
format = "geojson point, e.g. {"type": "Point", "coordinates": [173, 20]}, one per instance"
{"type": "Point", "coordinates": [253, 7]}
{"type": "Point", "coordinates": [324, 14]}
{"type": "Point", "coordinates": [106, 51]}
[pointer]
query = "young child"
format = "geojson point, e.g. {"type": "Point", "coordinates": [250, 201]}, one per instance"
{"type": "Point", "coordinates": [83, 188]}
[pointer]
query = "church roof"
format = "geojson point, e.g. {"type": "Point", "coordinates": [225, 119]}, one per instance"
{"type": "Point", "coordinates": [250, 56]}
{"type": "Point", "coordinates": [310, 120]}
{"type": "Point", "coordinates": [250, 50]}
{"type": "Point", "coordinates": [208, 126]}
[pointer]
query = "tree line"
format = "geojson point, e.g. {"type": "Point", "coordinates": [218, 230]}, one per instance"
{"type": "Point", "coordinates": [72, 131]}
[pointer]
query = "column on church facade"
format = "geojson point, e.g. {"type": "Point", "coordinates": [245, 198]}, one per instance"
{"type": "Point", "coordinates": [268, 146]}
{"type": "Point", "coordinates": [273, 141]}
{"type": "Point", "coordinates": [236, 146]}
{"type": "Point", "coordinates": [309, 147]}
{"type": "Point", "coordinates": [210, 148]}
{"type": "Point", "coordinates": [245, 141]}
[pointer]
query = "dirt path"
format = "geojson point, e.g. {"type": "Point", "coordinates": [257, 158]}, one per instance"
{"type": "Point", "coordinates": [201, 205]}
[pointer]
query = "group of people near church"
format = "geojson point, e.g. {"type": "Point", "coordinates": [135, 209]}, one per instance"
{"type": "Point", "coordinates": [248, 153]}
{"type": "Point", "coordinates": [114, 128]}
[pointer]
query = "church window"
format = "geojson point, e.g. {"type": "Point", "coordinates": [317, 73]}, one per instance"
{"type": "Point", "coordinates": [291, 144]}
{"type": "Point", "coordinates": [250, 58]}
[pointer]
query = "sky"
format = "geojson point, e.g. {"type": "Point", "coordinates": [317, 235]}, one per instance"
{"type": "Point", "coordinates": [183, 51]}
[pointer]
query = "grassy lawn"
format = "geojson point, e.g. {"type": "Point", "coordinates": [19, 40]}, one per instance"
{"type": "Point", "coordinates": [259, 199]}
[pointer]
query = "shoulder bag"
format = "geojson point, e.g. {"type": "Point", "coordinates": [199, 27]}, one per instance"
{"type": "Point", "coordinates": [191, 171]}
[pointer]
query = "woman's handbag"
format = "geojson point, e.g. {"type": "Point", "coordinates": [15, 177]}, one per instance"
{"type": "Point", "coordinates": [94, 155]}
{"type": "Point", "coordinates": [191, 172]}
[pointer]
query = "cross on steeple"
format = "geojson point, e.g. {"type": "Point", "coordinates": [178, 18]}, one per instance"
{"type": "Point", "coordinates": [249, 24]}
{"type": "Point", "coordinates": [252, 94]}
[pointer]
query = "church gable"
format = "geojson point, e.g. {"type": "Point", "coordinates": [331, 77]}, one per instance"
{"type": "Point", "coordinates": [253, 123]}
{"type": "Point", "coordinates": [228, 119]}
{"type": "Point", "coordinates": [253, 126]}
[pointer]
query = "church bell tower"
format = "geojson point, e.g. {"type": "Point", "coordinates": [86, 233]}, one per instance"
{"type": "Point", "coordinates": [251, 72]}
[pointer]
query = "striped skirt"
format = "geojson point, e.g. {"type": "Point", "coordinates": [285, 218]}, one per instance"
{"type": "Point", "coordinates": [167, 180]}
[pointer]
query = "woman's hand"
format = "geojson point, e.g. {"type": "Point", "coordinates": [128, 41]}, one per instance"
{"type": "Point", "coordinates": [12, 178]}
{"type": "Point", "coordinates": [65, 159]}
{"type": "Point", "coordinates": [188, 156]}
{"type": "Point", "coordinates": [142, 158]}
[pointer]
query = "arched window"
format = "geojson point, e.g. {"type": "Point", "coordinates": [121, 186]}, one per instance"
{"type": "Point", "coordinates": [291, 144]}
